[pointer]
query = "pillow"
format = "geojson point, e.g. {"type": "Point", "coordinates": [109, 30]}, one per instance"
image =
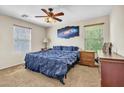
{"type": "Point", "coordinates": [67, 48]}
{"type": "Point", "coordinates": [57, 47]}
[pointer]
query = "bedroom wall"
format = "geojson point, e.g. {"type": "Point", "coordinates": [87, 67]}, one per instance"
{"type": "Point", "coordinates": [77, 41]}
{"type": "Point", "coordinates": [8, 55]}
{"type": "Point", "coordinates": [117, 29]}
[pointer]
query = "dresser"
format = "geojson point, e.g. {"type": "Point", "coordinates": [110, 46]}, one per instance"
{"type": "Point", "coordinates": [87, 58]}
{"type": "Point", "coordinates": [111, 69]}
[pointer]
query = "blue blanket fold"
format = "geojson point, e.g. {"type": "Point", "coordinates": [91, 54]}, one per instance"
{"type": "Point", "coordinates": [52, 63]}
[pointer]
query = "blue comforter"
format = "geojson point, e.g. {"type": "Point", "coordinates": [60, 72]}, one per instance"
{"type": "Point", "coordinates": [53, 63]}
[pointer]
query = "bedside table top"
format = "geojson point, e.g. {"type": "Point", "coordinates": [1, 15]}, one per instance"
{"type": "Point", "coordinates": [88, 51]}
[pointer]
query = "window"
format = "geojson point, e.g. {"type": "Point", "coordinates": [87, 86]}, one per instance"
{"type": "Point", "coordinates": [94, 37]}
{"type": "Point", "coordinates": [22, 39]}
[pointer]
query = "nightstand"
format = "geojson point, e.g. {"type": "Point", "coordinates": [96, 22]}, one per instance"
{"type": "Point", "coordinates": [87, 58]}
{"type": "Point", "coordinates": [43, 49]}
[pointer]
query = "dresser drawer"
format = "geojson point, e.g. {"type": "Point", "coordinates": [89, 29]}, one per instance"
{"type": "Point", "coordinates": [85, 55]}
{"type": "Point", "coordinates": [88, 59]}
{"type": "Point", "coordinates": [87, 62]}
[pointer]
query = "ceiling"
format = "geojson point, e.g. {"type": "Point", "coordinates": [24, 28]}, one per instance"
{"type": "Point", "coordinates": [71, 12]}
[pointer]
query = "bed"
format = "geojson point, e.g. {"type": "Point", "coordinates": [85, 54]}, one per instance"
{"type": "Point", "coordinates": [54, 63]}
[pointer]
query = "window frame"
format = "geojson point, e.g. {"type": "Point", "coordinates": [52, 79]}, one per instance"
{"type": "Point", "coordinates": [99, 39]}
{"type": "Point", "coordinates": [14, 27]}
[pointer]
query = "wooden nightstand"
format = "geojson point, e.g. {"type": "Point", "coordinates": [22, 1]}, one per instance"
{"type": "Point", "coordinates": [87, 58]}
{"type": "Point", "coordinates": [43, 49]}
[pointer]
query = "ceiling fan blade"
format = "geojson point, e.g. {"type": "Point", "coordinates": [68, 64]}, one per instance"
{"type": "Point", "coordinates": [41, 16]}
{"type": "Point", "coordinates": [57, 19]}
{"type": "Point", "coordinates": [45, 11]}
{"type": "Point", "coordinates": [59, 14]}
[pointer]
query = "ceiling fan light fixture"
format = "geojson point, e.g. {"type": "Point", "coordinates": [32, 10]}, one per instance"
{"type": "Point", "coordinates": [51, 17]}
{"type": "Point", "coordinates": [49, 20]}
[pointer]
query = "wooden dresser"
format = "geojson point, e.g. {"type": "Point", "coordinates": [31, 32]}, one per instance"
{"type": "Point", "coordinates": [87, 58]}
{"type": "Point", "coordinates": [112, 70]}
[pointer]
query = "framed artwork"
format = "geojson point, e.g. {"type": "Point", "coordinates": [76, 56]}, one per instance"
{"type": "Point", "coordinates": [68, 32]}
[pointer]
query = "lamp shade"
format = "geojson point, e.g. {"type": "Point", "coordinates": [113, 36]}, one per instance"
{"type": "Point", "coordinates": [45, 40]}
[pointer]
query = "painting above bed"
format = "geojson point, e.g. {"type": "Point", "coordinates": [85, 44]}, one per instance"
{"type": "Point", "coordinates": [68, 32]}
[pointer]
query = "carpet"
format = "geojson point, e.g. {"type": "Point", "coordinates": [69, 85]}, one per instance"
{"type": "Point", "coordinates": [79, 76]}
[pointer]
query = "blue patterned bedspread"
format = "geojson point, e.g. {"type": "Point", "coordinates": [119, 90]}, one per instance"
{"type": "Point", "coordinates": [53, 63]}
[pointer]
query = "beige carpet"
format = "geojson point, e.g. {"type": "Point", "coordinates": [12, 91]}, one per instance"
{"type": "Point", "coordinates": [79, 76]}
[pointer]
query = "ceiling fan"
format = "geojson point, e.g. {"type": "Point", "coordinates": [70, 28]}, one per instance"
{"type": "Point", "coordinates": [51, 15]}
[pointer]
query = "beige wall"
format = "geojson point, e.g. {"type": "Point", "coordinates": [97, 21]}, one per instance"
{"type": "Point", "coordinates": [117, 29]}
{"type": "Point", "coordinates": [8, 55]}
{"type": "Point", "coordinates": [77, 41]}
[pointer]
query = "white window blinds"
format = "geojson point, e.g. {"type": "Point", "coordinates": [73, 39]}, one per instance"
{"type": "Point", "coordinates": [22, 39]}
